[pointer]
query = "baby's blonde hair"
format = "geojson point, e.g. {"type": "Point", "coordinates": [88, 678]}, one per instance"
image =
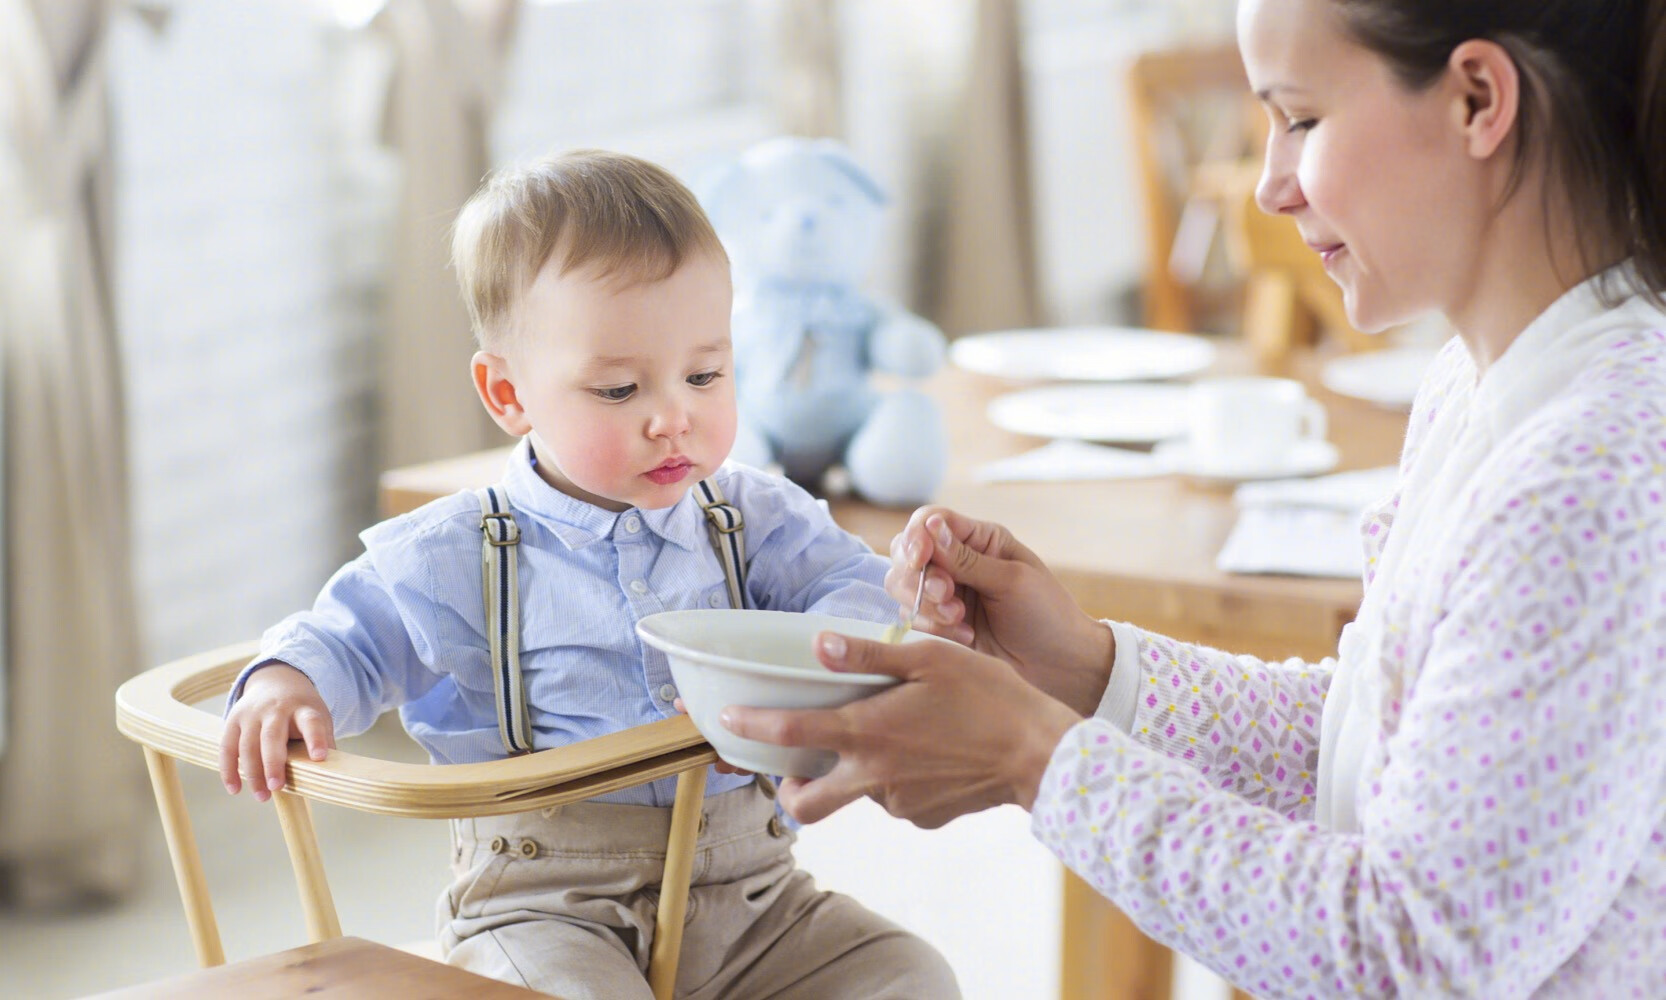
{"type": "Point", "coordinates": [620, 215]}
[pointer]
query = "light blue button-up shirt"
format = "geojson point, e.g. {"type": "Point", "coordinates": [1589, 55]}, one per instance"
{"type": "Point", "coordinates": [404, 623]}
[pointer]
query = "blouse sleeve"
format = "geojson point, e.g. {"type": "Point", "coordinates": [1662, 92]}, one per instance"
{"type": "Point", "coordinates": [1248, 726]}
{"type": "Point", "coordinates": [1513, 800]}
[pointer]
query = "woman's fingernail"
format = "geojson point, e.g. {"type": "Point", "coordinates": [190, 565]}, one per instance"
{"type": "Point", "coordinates": [937, 588]}
{"type": "Point", "coordinates": [914, 553]}
{"type": "Point", "coordinates": [943, 537]}
{"type": "Point", "coordinates": [724, 719]}
{"type": "Point", "coordinates": [833, 646]}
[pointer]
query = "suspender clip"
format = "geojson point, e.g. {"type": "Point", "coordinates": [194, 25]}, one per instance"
{"type": "Point", "coordinates": [508, 533]}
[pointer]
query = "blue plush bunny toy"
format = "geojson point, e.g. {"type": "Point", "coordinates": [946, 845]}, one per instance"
{"type": "Point", "coordinates": [800, 220]}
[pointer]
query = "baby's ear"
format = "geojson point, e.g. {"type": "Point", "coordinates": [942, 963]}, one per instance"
{"type": "Point", "coordinates": [497, 393]}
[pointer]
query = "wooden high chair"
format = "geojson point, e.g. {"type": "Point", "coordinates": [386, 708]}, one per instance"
{"type": "Point", "coordinates": [157, 710]}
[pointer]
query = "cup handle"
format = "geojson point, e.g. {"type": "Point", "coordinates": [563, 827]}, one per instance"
{"type": "Point", "coordinates": [1315, 425]}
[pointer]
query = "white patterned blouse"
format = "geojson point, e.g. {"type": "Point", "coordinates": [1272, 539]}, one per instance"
{"type": "Point", "coordinates": [1470, 799]}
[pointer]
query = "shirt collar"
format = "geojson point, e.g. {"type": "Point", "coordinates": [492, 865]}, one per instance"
{"type": "Point", "coordinates": [578, 523]}
{"type": "Point", "coordinates": [1562, 341]}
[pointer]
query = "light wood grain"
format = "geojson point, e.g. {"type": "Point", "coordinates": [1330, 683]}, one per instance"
{"type": "Point", "coordinates": [679, 869]}
{"type": "Point", "coordinates": [343, 968]}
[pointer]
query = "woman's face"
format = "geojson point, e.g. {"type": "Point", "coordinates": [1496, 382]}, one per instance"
{"type": "Point", "coordinates": [1376, 177]}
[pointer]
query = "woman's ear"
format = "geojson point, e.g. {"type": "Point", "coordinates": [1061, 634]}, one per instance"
{"type": "Point", "coordinates": [1488, 99]}
{"type": "Point", "coordinates": [497, 392]}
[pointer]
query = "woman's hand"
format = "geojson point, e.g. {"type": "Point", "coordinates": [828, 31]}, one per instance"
{"type": "Point", "coordinates": [986, 590]}
{"type": "Point", "coordinates": [961, 733]}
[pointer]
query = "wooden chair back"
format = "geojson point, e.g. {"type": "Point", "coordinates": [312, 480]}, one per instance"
{"type": "Point", "coordinates": [157, 710]}
{"type": "Point", "coordinates": [1187, 107]}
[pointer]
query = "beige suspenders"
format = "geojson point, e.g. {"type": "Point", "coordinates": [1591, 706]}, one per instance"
{"type": "Point", "coordinates": [502, 592]}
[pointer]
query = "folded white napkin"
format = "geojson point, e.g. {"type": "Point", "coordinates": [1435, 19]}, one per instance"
{"type": "Point", "coordinates": [1303, 527]}
{"type": "Point", "coordinates": [1062, 460]}
{"type": "Point", "coordinates": [1344, 491]}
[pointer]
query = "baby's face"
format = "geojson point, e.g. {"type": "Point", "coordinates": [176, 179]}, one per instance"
{"type": "Point", "coordinates": [629, 389]}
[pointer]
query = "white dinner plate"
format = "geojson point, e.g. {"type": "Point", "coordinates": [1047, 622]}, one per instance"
{"type": "Point", "coordinates": [1387, 378]}
{"type": "Point", "coordinates": [1127, 413]}
{"type": "Point", "coordinates": [1083, 354]}
{"type": "Point", "coordinates": [1308, 458]}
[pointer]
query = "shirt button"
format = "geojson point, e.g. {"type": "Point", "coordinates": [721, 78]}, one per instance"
{"type": "Point", "coordinates": [667, 693]}
{"type": "Point", "coordinates": [715, 600]}
{"type": "Point", "coordinates": [637, 586]}
{"type": "Point", "coordinates": [776, 827]}
{"type": "Point", "coordinates": [633, 524]}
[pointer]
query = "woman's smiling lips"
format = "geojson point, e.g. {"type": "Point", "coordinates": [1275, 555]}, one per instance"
{"type": "Point", "coordinates": [670, 471]}
{"type": "Point", "coordinates": [1327, 251]}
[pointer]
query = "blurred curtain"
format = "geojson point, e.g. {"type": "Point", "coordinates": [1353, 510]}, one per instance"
{"type": "Point", "coordinates": [448, 55]}
{"type": "Point", "coordinates": [986, 264]}
{"type": "Point", "coordinates": [809, 80]}
{"type": "Point", "coordinates": [70, 786]}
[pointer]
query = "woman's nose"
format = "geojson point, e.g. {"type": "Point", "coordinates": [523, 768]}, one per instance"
{"type": "Point", "coordinates": [1278, 190]}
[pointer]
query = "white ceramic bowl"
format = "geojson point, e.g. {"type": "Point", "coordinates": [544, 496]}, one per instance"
{"type": "Point", "coordinates": [721, 657]}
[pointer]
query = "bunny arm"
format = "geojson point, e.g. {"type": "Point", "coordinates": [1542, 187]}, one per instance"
{"type": "Point", "coordinates": [902, 343]}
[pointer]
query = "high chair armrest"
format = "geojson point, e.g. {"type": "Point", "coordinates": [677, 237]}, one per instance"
{"type": "Point", "coordinates": [157, 709]}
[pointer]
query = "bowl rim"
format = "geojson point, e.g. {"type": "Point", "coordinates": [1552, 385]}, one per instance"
{"type": "Point", "coordinates": [825, 676]}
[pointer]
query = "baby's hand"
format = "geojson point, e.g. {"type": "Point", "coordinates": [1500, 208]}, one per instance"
{"type": "Point", "coordinates": [723, 766]}
{"type": "Point", "coordinates": [278, 704]}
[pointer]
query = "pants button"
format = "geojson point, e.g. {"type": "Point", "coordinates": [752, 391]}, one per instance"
{"type": "Point", "coordinates": [527, 849]}
{"type": "Point", "coordinates": [498, 844]}
{"type": "Point", "coordinates": [776, 827]}
{"type": "Point", "coordinates": [766, 786]}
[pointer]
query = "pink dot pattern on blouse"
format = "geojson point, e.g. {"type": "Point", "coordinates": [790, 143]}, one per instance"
{"type": "Point", "coordinates": [1513, 821]}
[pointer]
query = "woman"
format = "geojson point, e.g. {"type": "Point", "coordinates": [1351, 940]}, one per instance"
{"type": "Point", "coordinates": [1468, 799]}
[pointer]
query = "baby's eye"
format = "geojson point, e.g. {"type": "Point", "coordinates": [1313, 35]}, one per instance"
{"type": "Point", "coordinates": [704, 378]}
{"type": "Point", "coordinates": [616, 393]}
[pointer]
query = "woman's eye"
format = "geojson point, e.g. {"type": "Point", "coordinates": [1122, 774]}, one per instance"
{"type": "Point", "coordinates": [704, 378]}
{"type": "Point", "coordinates": [616, 393]}
{"type": "Point", "coordinates": [1300, 124]}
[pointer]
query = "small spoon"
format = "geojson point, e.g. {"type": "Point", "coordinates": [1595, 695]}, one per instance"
{"type": "Point", "coordinates": [905, 622]}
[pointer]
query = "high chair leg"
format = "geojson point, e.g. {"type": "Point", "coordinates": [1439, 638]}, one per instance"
{"type": "Point", "coordinates": [673, 890]}
{"type": "Point", "coordinates": [182, 849]}
{"type": "Point", "coordinates": [295, 816]}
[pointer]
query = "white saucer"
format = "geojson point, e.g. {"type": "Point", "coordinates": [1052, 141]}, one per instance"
{"type": "Point", "coordinates": [1308, 458]}
{"type": "Point", "coordinates": [1127, 413]}
{"type": "Point", "coordinates": [1388, 378]}
{"type": "Point", "coordinates": [1083, 354]}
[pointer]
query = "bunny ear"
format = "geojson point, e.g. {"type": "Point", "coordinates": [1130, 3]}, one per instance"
{"type": "Point", "coordinates": [835, 155]}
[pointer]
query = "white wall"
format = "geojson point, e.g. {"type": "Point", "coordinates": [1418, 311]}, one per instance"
{"type": "Point", "coordinates": [245, 316]}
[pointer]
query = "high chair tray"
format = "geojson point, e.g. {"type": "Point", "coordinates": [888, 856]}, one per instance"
{"type": "Point", "coordinates": [157, 709]}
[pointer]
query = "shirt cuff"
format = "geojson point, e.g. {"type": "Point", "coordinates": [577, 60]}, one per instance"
{"type": "Point", "coordinates": [1122, 695]}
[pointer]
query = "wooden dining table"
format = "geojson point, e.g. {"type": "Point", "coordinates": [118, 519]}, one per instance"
{"type": "Point", "coordinates": [1139, 550]}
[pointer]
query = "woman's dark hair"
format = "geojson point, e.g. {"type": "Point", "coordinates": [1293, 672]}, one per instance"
{"type": "Point", "coordinates": [1593, 73]}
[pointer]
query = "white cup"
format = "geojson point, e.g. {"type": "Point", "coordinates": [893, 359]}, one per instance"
{"type": "Point", "coordinates": [1249, 424]}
